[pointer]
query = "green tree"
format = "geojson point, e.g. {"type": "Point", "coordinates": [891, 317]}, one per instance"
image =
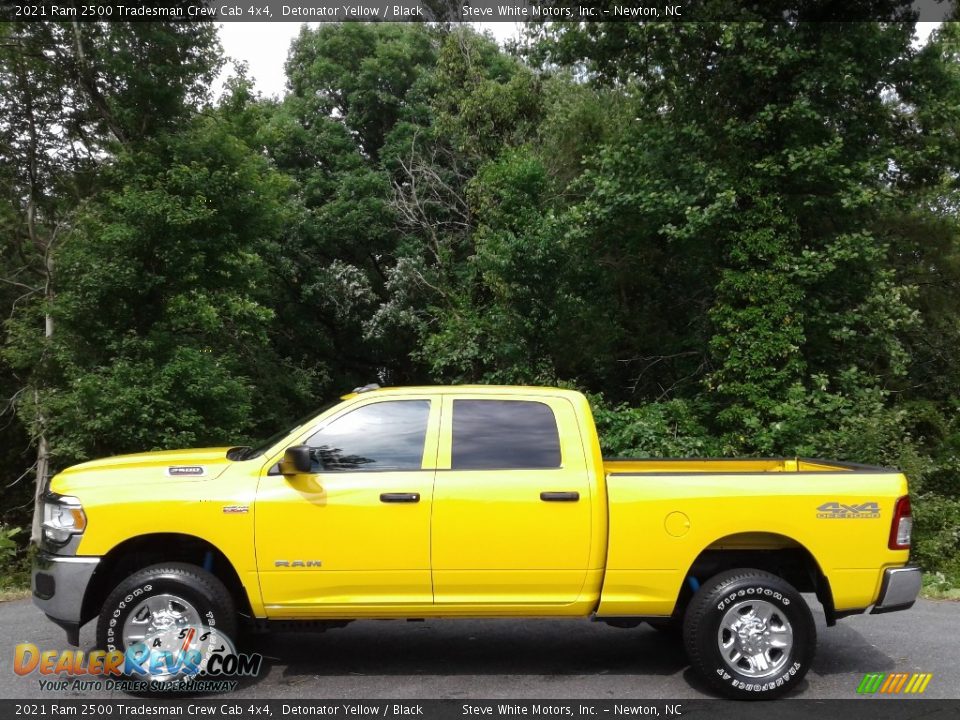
{"type": "Point", "coordinates": [780, 146]}
{"type": "Point", "coordinates": [165, 313]}
{"type": "Point", "coordinates": [350, 85]}
{"type": "Point", "coordinates": [72, 94]}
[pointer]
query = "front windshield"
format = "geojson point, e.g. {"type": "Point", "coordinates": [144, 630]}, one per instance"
{"type": "Point", "coordinates": [247, 452]}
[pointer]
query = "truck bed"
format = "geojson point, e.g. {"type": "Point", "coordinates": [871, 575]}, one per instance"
{"type": "Point", "coordinates": [663, 514]}
{"type": "Point", "coordinates": [739, 466]}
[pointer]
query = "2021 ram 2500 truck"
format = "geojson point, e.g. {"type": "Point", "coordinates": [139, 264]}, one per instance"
{"type": "Point", "coordinates": [477, 502]}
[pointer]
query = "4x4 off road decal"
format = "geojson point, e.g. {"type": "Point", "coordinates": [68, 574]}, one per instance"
{"type": "Point", "coordinates": [840, 511]}
{"type": "Point", "coordinates": [186, 471]}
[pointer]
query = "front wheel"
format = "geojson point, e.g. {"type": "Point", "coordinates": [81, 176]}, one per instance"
{"type": "Point", "coordinates": [168, 607]}
{"type": "Point", "coordinates": [749, 634]}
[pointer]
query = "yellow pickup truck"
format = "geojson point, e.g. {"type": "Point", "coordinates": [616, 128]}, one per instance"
{"type": "Point", "coordinates": [477, 501]}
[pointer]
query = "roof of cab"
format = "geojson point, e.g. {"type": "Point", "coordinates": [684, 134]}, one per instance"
{"type": "Point", "coordinates": [445, 389]}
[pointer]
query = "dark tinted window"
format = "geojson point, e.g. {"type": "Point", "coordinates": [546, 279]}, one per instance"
{"type": "Point", "coordinates": [382, 436]}
{"type": "Point", "coordinates": [489, 434]}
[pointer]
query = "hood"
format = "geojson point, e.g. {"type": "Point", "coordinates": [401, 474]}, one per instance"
{"type": "Point", "coordinates": [191, 465]}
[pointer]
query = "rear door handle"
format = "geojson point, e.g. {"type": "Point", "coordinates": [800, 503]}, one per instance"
{"type": "Point", "coordinates": [399, 497]}
{"type": "Point", "coordinates": [560, 496]}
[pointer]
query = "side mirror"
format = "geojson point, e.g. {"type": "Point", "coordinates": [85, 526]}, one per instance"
{"type": "Point", "coordinates": [296, 461]}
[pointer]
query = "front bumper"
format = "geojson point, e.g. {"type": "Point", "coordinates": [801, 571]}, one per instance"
{"type": "Point", "coordinates": [899, 589]}
{"type": "Point", "coordinates": [59, 584]}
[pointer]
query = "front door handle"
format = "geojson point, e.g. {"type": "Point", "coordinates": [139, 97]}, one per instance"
{"type": "Point", "coordinates": [400, 497]}
{"type": "Point", "coordinates": [560, 496]}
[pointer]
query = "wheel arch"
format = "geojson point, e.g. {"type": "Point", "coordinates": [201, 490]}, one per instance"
{"type": "Point", "coordinates": [141, 551]}
{"type": "Point", "coordinates": [773, 552]}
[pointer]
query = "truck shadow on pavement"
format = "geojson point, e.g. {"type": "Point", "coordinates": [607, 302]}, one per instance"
{"type": "Point", "coordinates": [841, 650]}
{"type": "Point", "coordinates": [536, 647]}
{"type": "Point", "coordinates": [474, 647]}
{"type": "Point", "coordinates": [561, 648]}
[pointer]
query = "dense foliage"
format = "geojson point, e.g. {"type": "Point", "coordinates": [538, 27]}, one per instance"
{"type": "Point", "coordinates": [738, 238]}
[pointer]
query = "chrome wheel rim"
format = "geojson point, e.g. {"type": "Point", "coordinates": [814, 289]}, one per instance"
{"type": "Point", "coordinates": [755, 638]}
{"type": "Point", "coordinates": [159, 614]}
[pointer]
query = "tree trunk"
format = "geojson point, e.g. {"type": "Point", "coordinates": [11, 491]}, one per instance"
{"type": "Point", "coordinates": [43, 447]}
{"type": "Point", "coordinates": [43, 469]}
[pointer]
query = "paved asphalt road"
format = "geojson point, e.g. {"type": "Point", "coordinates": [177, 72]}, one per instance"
{"type": "Point", "coordinates": [532, 658]}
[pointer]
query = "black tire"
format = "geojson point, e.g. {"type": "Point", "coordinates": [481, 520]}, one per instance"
{"type": "Point", "coordinates": [196, 586]}
{"type": "Point", "coordinates": [744, 593]}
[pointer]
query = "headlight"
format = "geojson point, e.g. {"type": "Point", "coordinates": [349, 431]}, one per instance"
{"type": "Point", "coordinates": [62, 517]}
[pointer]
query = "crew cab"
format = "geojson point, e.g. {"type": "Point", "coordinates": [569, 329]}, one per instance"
{"type": "Point", "coordinates": [477, 501]}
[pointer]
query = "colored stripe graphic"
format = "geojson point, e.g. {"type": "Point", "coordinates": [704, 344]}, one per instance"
{"type": "Point", "coordinates": [871, 682]}
{"type": "Point", "coordinates": [894, 683]}
{"type": "Point", "coordinates": [926, 681]}
{"type": "Point", "coordinates": [889, 682]}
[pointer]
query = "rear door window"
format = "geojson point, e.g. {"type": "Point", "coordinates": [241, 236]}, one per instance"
{"type": "Point", "coordinates": [504, 435]}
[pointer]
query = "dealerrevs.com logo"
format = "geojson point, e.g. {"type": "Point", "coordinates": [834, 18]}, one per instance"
{"type": "Point", "coordinates": [191, 658]}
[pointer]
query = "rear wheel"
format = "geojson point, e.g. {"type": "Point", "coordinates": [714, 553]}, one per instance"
{"type": "Point", "coordinates": [749, 634]}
